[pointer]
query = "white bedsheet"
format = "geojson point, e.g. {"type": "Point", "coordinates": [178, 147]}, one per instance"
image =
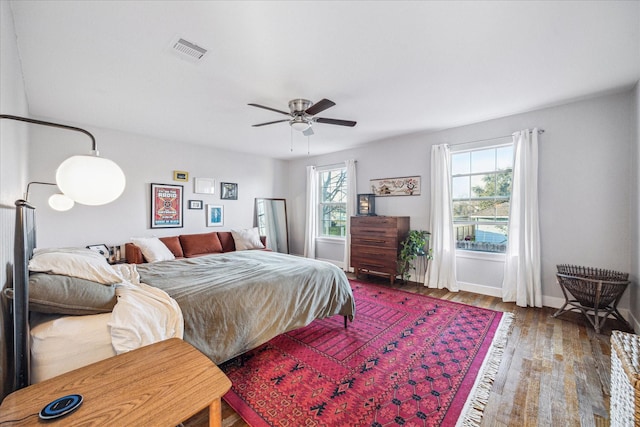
{"type": "Point", "coordinates": [61, 344]}
{"type": "Point", "coordinates": [143, 315]}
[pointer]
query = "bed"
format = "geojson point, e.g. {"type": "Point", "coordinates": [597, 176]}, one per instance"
{"type": "Point", "coordinates": [230, 303]}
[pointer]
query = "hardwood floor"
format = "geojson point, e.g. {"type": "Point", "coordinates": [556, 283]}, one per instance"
{"type": "Point", "coordinates": [555, 371]}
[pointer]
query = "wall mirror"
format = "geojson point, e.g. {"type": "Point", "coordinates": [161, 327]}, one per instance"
{"type": "Point", "coordinates": [271, 220]}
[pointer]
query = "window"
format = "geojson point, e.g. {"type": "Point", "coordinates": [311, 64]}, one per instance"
{"type": "Point", "coordinates": [481, 191]}
{"type": "Point", "coordinates": [332, 203]}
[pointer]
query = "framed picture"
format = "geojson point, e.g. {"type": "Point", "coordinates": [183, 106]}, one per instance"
{"type": "Point", "coordinates": [195, 204]}
{"type": "Point", "coordinates": [215, 215]}
{"type": "Point", "coordinates": [180, 176]}
{"type": "Point", "coordinates": [166, 206]}
{"type": "Point", "coordinates": [203, 185]}
{"type": "Point", "coordinates": [101, 249]}
{"type": "Point", "coordinates": [402, 186]}
{"type": "Point", "coordinates": [228, 191]}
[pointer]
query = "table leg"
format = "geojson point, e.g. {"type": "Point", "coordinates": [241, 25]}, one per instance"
{"type": "Point", "coordinates": [215, 413]}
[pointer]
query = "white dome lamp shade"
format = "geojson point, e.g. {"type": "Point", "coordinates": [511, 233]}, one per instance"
{"type": "Point", "coordinates": [86, 179]}
{"type": "Point", "coordinates": [90, 180]}
{"type": "Point", "coordinates": [60, 202]}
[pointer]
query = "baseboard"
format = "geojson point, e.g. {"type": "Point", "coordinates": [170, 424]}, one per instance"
{"type": "Point", "coordinates": [547, 301]}
{"type": "Point", "coordinates": [480, 289]}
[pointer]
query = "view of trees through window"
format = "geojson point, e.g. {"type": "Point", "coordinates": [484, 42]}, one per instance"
{"type": "Point", "coordinates": [481, 191]}
{"type": "Point", "coordinates": [333, 202]}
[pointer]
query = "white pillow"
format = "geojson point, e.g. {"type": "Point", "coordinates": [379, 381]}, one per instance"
{"type": "Point", "coordinates": [153, 249]}
{"type": "Point", "coordinates": [247, 239]}
{"type": "Point", "coordinates": [75, 262]}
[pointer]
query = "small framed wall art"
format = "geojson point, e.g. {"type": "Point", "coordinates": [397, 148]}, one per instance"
{"type": "Point", "coordinates": [180, 176]}
{"type": "Point", "coordinates": [195, 204]}
{"type": "Point", "coordinates": [228, 191]}
{"type": "Point", "coordinates": [215, 216]}
{"type": "Point", "coordinates": [401, 186]}
{"type": "Point", "coordinates": [166, 206]}
{"type": "Point", "coordinates": [203, 185]}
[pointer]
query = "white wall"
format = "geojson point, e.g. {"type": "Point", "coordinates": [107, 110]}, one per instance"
{"type": "Point", "coordinates": [585, 170]}
{"type": "Point", "coordinates": [13, 163]}
{"type": "Point", "coordinates": [144, 161]}
{"type": "Point", "coordinates": [634, 292]}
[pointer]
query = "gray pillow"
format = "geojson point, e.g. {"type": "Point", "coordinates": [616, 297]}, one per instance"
{"type": "Point", "coordinates": [57, 294]}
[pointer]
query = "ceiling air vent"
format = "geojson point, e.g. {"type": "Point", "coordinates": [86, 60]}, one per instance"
{"type": "Point", "coordinates": [189, 50]}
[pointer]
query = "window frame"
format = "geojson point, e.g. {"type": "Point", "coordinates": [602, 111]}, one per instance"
{"type": "Point", "coordinates": [472, 252]}
{"type": "Point", "coordinates": [320, 204]}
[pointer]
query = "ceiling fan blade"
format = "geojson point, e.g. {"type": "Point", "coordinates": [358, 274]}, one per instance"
{"type": "Point", "coordinates": [319, 106]}
{"type": "Point", "coordinates": [270, 123]}
{"type": "Point", "coordinates": [335, 122]}
{"type": "Point", "coordinates": [308, 131]}
{"type": "Point", "coordinates": [270, 109]}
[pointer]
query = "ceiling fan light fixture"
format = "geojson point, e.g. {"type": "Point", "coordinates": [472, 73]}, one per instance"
{"type": "Point", "coordinates": [299, 125]}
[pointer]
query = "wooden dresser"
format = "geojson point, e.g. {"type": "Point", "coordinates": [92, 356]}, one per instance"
{"type": "Point", "coordinates": [375, 243]}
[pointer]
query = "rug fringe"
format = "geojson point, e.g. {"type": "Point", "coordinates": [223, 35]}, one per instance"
{"type": "Point", "coordinates": [473, 410]}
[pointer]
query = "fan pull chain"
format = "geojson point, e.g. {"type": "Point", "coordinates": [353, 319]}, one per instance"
{"type": "Point", "coordinates": [291, 139]}
{"type": "Point", "coordinates": [308, 145]}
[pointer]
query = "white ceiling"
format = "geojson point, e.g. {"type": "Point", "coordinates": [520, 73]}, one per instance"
{"type": "Point", "coordinates": [395, 67]}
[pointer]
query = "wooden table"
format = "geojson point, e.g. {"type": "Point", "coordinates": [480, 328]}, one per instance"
{"type": "Point", "coordinates": [161, 384]}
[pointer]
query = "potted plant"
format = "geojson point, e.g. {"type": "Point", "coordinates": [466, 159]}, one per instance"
{"type": "Point", "coordinates": [411, 248]}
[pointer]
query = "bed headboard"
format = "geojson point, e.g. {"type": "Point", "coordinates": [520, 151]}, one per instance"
{"type": "Point", "coordinates": [25, 242]}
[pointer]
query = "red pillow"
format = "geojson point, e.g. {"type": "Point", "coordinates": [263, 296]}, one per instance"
{"type": "Point", "coordinates": [226, 238]}
{"type": "Point", "coordinates": [200, 244]}
{"type": "Point", "coordinates": [173, 243]}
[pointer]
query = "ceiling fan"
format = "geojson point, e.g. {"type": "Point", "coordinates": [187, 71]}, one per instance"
{"type": "Point", "coordinates": [302, 112]}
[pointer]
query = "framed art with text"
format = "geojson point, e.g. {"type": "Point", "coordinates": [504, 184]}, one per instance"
{"type": "Point", "coordinates": [166, 206]}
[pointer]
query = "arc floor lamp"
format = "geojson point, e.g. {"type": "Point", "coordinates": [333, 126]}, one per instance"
{"type": "Point", "coordinates": [85, 179]}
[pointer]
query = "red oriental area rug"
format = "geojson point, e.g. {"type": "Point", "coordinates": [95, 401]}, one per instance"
{"type": "Point", "coordinates": [406, 359]}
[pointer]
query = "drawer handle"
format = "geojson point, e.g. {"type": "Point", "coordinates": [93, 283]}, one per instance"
{"type": "Point", "coordinates": [373, 240]}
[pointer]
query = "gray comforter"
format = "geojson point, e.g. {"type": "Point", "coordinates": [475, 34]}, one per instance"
{"type": "Point", "coordinates": [236, 301]}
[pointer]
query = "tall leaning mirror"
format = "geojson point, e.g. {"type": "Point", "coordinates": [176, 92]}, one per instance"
{"type": "Point", "coordinates": [271, 220]}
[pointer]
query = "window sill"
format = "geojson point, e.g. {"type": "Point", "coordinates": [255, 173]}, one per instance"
{"type": "Point", "coordinates": [334, 240]}
{"type": "Point", "coordinates": [486, 256]}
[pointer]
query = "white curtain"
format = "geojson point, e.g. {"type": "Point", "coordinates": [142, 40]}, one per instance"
{"type": "Point", "coordinates": [351, 210]}
{"type": "Point", "coordinates": [312, 213]}
{"type": "Point", "coordinates": [442, 269]}
{"type": "Point", "coordinates": [522, 263]}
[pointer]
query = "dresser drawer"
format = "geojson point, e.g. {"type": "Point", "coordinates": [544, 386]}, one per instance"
{"type": "Point", "coordinates": [367, 230]}
{"type": "Point", "coordinates": [374, 221]}
{"type": "Point", "coordinates": [374, 264]}
{"type": "Point", "coordinates": [374, 240]}
{"type": "Point", "coordinates": [374, 252]}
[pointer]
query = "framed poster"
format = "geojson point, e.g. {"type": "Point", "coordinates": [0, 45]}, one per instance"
{"type": "Point", "coordinates": [215, 216]}
{"type": "Point", "coordinates": [166, 206]}
{"type": "Point", "coordinates": [402, 186]}
{"type": "Point", "coordinates": [228, 191]}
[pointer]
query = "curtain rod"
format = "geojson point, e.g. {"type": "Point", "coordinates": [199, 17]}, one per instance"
{"type": "Point", "coordinates": [540, 131]}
